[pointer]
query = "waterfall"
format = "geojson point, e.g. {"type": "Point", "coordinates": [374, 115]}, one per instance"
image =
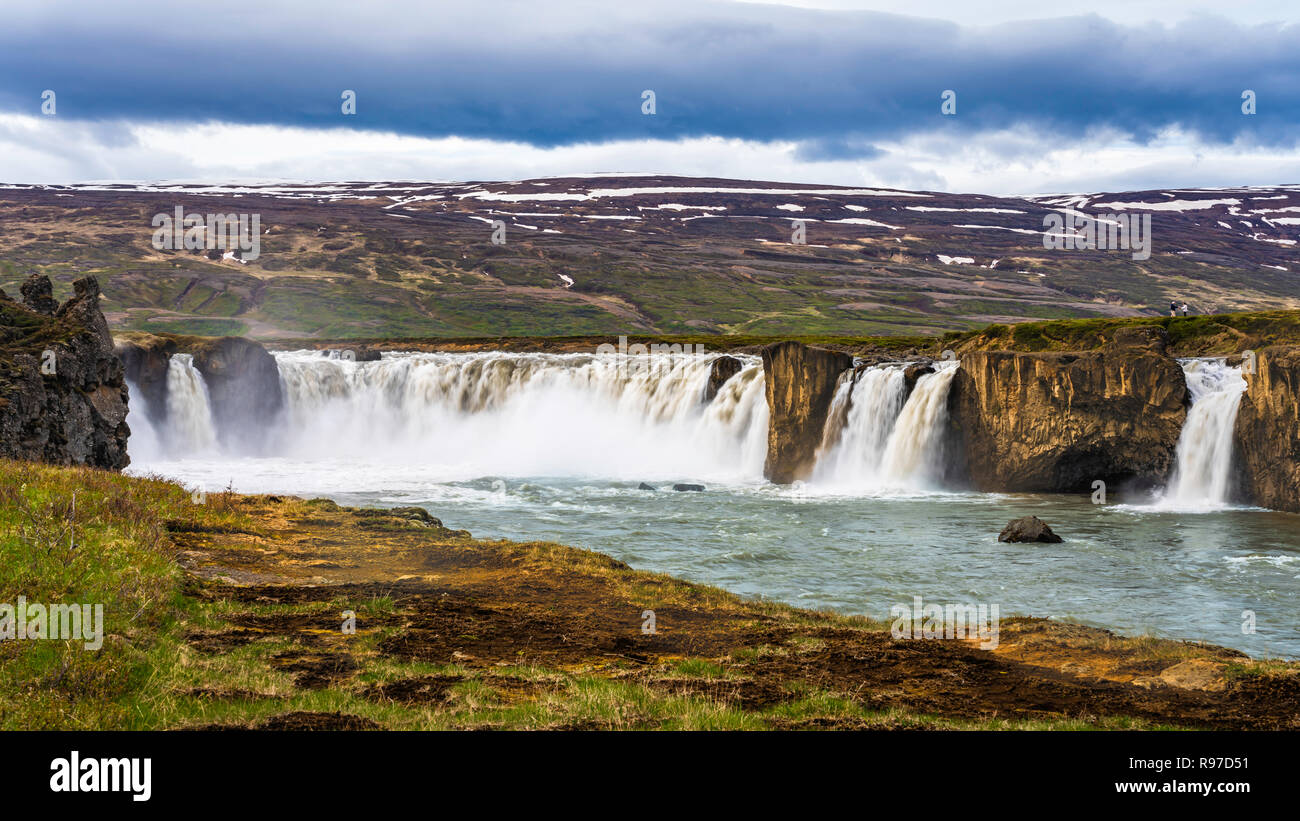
{"type": "Point", "coordinates": [146, 441]}
{"type": "Point", "coordinates": [1203, 458]}
{"type": "Point", "coordinates": [863, 412]}
{"type": "Point", "coordinates": [462, 416]}
{"type": "Point", "coordinates": [882, 442]}
{"type": "Point", "coordinates": [189, 429]}
{"type": "Point", "coordinates": [466, 415]}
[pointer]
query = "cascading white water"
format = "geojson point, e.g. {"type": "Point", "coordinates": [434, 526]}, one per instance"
{"type": "Point", "coordinates": [506, 414]}
{"type": "Point", "coordinates": [862, 416]}
{"type": "Point", "coordinates": [914, 455]}
{"type": "Point", "coordinates": [886, 443]}
{"type": "Point", "coordinates": [1203, 458]}
{"type": "Point", "coordinates": [189, 429]}
{"type": "Point", "coordinates": [146, 441]}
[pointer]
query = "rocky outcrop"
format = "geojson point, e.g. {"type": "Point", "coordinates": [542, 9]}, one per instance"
{"type": "Point", "coordinates": [1058, 421]}
{"type": "Point", "coordinates": [62, 390]}
{"type": "Point", "coordinates": [1028, 529]}
{"type": "Point", "coordinates": [721, 369]}
{"type": "Point", "coordinates": [800, 385]}
{"type": "Point", "coordinates": [244, 390]}
{"type": "Point", "coordinates": [1267, 433]}
{"type": "Point", "coordinates": [38, 295]}
{"type": "Point", "coordinates": [914, 372]}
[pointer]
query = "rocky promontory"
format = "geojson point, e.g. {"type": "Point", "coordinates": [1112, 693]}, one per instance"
{"type": "Point", "coordinates": [62, 390]}
{"type": "Point", "coordinates": [800, 384]}
{"type": "Point", "coordinates": [1267, 433]}
{"type": "Point", "coordinates": [1056, 422]}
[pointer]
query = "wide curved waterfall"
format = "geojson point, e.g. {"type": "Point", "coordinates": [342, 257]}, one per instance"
{"type": "Point", "coordinates": [878, 437]}
{"type": "Point", "coordinates": [1203, 459]}
{"type": "Point", "coordinates": [465, 415]}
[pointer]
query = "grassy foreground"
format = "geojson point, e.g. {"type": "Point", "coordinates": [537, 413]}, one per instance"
{"type": "Point", "coordinates": [231, 611]}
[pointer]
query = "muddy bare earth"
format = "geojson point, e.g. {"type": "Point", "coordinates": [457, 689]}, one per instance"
{"type": "Point", "coordinates": [485, 606]}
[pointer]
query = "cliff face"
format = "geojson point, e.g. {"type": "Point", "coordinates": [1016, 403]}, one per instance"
{"type": "Point", "coordinates": [1055, 422]}
{"type": "Point", "coordinates": [1267, 433]}
{"type": "Point", "coordinates": [800, 385]}
{"type": "Point", "coordinates": [62, 392]}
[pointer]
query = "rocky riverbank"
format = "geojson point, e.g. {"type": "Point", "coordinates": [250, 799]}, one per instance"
{"type": "Point", "coordinates": [272, 612]}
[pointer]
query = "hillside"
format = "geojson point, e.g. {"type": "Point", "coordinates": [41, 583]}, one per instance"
{"type": "Point", "coordinates": [666, 255]}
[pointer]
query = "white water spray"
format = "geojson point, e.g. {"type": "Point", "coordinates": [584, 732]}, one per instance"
{"type": "Point", "coordinates": [862, 416]}
{"type": "Point", "coordinates": [1203, 459]}
{"type": "Point", "coordinates": [189, 429]}
{"type": "Point", "coordinates": [146, 441]}
{"type": "Point", "coordinates": [886, 443]}
{"type": "Point", "coordinates": [505, 414]}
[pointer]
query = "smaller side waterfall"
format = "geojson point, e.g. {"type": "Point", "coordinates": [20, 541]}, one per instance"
{"type": "Point", "coordinates": [1203, 459]}
{"type": "Point", "coordinates": [915, 454]}
{"type": "Point", "coordinates": [861, 419]}
{"type": "Point", "coordinates": [189, 427]}
{"type": "Point", "coordinates": [146, 440]}
{"type": "Point", "coordinates": [879, 437]}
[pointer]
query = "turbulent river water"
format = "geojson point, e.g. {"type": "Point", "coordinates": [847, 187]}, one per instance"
{"type": "Point", "coordinates": [547, 446]}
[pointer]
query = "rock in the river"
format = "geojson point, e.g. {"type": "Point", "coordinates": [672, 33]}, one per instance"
{"type": "Point", "coordinates": [683, 486]}
{"type": "Point", "coordinates": [914, 372]}
{"type": "Point", "coordinates": [1028, 529]}
{"type": "Point", "coordinates": [644, 486]}
{"type": "Point", "coordinates": [800, 384]}
{"type": "Point", "coordinates": [722, 369]}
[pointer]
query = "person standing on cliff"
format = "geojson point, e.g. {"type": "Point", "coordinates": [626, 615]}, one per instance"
{"type": "Point", "coordinates": [1173, 308]}
{"type": "Point", "coordinates": [1184, 309]}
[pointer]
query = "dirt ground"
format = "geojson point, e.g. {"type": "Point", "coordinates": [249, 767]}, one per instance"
{"type": "Point", "coordinates": [485, 606]}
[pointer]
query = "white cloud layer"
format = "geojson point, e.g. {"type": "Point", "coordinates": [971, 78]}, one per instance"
{"type": "Point", "coordinates": [1014, 161]}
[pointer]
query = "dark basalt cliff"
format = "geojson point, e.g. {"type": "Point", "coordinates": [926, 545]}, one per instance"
{"type": "Point", "coordinates": [62, 391]}
{"type": "Point", "coordinates": [1267, 432]}
{"type": "Point", "coordinates": [1058, 421]}
{"type": "Point", "coordinates": [800, 383]}
{"type": "Point", "coordinates": [244, 387]}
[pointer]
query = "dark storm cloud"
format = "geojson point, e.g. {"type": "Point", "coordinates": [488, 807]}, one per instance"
{"type": "Point", "coordinates": [563, 73]}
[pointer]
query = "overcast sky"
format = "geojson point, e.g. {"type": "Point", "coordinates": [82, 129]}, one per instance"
{"type": "Point", "coordinates": [1132, 95]}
